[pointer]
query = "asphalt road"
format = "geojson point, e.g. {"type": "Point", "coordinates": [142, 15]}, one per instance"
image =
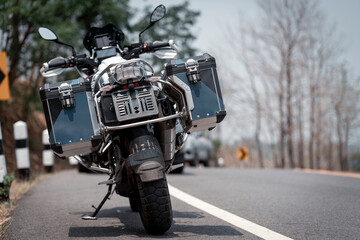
{"type": "Point", "coordinates": [294, 204]}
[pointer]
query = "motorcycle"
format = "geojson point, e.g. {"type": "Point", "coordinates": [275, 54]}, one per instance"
{"type": "Point", "coordinates": [120, 119]}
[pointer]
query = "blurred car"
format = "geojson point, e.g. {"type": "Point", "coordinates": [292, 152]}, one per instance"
{"type": "Point", "coordinates": [204, 150]}
{"type": "Point", "coordinates": [185, 154]}
{"type": "Point", "coordinates": [197, 149]}
{"type": "Point", "coordinates": [189, 150]}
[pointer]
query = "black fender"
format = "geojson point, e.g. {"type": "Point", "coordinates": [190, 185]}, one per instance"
{"type": "Point", "coordinates": [146, 158]}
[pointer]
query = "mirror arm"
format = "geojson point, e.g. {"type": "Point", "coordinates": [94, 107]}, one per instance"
{"type": "Point", "coordinates": [66, 44]}
{"type": "Point", "coordinates": [149, 26]}
{"type": "Point", "coordinates": [151, 21]}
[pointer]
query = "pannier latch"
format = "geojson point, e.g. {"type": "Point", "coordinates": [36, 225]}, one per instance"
{"type": "Point", "coordinates": [192, 71]}
{"type": "Point", "coordinates": [66, 95]}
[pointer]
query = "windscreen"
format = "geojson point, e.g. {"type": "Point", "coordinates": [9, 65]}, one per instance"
{"type": "Point", "coordinates": [97, 38]}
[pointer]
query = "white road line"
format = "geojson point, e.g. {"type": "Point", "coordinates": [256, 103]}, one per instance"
{"type": "Point", "coordinates": [237, 221]}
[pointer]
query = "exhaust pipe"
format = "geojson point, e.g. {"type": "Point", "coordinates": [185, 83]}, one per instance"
{"type": "Point", "coordinates": [92, 168]}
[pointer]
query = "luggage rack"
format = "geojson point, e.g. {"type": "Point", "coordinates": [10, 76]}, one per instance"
{"type": "Point", "coordinates": [106, 129]}
{"type": "Point", "coordinates": [128, 107]}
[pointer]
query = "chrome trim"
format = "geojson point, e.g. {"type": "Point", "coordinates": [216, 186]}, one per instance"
{"type": "Point", "coordinates": [106, 147]}
{"type": "Point", "coordinates": [176, 89]}
{"type": "Point", "coordinates": [130, 125]}
{"type": "Point", "coordinates": [186, 136]}
{"type": "Point", "coordinates": [187, 91]}
{"type": "Point", "coordinates": [93, 168]}
{"type": "Point", "coordinates": [173, 167]}
{"type": "Point", "coordinates": [98, 109]}
{"type": "Point", "coordinates": [105, 129]}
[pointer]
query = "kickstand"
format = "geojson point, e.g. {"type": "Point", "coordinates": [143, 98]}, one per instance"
{"type": "Point", "coordinates": [97, 209]}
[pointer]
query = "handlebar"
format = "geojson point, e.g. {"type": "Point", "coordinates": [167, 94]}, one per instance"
{"type": "Point", "coordinates": [136, 49]}
{"type": "Point", "coordinates": [130, 52]}
{"type": "Point", "coordinates": [157, 45]}
{"type": "Point", "coordinates": [61, 62]}
{"type": "Point", "coordinates": [58, 62]}
{"type": "Point", "coordinates": [152, 46]}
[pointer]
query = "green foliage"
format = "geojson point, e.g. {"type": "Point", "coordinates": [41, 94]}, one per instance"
{"type": "Point", "coordinates": [5, 189]}
{"type": "Point", "coordinates": [20, 19]}
{"type": "Point", "coordinates": [217, 143]}
{"type": "Point", "coordinates": [70, 20]}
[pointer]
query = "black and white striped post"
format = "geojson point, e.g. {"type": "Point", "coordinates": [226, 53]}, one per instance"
{"type": "Point", "coordinates": [47, 154]}
{"type": "Point", "coordinates": [22, 149]}
{"type": "Point", "coordinates": [3, 170]}
{"type": "Point", "coordinates": [221, 162]}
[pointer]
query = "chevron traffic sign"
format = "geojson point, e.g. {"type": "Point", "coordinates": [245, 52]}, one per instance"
{"type": "Point", "coordinates": [4, 78]}
{"type": "Point", "coordinates": [242, 154]}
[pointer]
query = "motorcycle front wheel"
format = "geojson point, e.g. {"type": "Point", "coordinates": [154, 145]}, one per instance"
{"type": "Point", "coordinates": [155, 205]}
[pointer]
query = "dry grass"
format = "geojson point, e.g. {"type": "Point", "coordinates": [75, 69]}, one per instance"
{"type": "Point", "coordinates": [17, 190]}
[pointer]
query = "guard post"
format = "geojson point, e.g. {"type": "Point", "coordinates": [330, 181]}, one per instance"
{"type": "Point", "coordinates": [3, 170]}
{"type": "Point", "coordinates": [22, 149]}
{"type": "Point", "coordinates": [47, 154]}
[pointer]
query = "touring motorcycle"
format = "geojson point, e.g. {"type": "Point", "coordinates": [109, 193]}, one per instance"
{"type": "Point", "coordinates": [120, 119]}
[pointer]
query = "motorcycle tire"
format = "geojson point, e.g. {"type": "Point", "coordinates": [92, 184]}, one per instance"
{"type": "Point", "coordinates": [155, 206]}
{"type": "Point", "coordinates": [133, 205]}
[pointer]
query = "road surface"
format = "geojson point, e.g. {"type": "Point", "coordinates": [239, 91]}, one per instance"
{"type": "Point", "coordinates": [208, 203]}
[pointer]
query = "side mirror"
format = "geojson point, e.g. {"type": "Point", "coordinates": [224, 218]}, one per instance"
{"type": "Point", "coordinates": [47, 34]}
{"type": "Point", "coordinates": [158, 14]}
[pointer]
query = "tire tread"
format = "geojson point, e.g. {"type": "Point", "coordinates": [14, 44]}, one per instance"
{"type": "Point", "coordinates": [155, 206]}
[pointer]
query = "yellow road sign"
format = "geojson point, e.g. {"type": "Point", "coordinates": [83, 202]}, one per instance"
{"type": "Point", "coordinates": [242, 154]}
{"type": "Point", "coordinates": [4, 78]}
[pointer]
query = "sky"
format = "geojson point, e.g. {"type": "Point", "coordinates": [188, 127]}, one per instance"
{"type": "Point", "coordinates": [217, 15]}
